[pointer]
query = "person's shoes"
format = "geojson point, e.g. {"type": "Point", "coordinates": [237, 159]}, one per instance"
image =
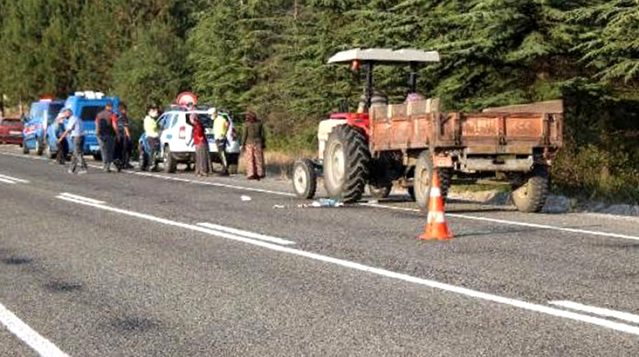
{"type": "Point", "coordinates": [129, 166]}
{"type": "Point", "coordinates": [223, 173]}
{"type": "Point", "coordinates": [82, 172]}
{"type": "Point", "coordinates": [251, 177]}
{"type": "Point", "coordinates": [70, 171]}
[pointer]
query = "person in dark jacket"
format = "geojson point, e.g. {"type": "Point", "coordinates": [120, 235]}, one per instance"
{"type": "Point", "coordinates": [122, 152]}
{"type": "Point", "coordinates": [105, 132]}
{"type": "Point", "coordinates": [253, 145]}
{"type": "Point", "coordinates": [63, 146]}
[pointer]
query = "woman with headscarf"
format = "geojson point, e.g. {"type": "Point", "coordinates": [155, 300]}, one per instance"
{"type": "Point", "coordinates": [202, 159]}
{"type": "Point", "coordinates": [253, 145]}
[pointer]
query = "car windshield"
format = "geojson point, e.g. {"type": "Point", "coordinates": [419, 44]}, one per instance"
{"type": "Point", "coordinates": [88, 113]}
{"type": "Point", "coordinates": [36, 112]}
{"type": "Point", "coordinates": [53, 111]}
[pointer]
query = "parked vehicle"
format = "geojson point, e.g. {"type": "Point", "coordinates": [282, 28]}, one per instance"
{"type": "Point", "coordinates": [11, 131]}
{"type": "Point", "coordinates": [41, 114]}
{"type": "Point", "coordinates": [86, 105]}
{"type": "Point", "coordinates": [177, 145]}
{"type": "Point", "coordinates": [405, 143]}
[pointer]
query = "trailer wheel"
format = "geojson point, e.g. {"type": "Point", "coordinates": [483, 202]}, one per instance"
{"type": "Point", "coordinates": [423, 178]}
{"type": "Point", "coordinates": [346, 163]}
{"type": "Point", "coordinates": [531, 196]}
{"type": "Point", "coordinates": [304, 179]}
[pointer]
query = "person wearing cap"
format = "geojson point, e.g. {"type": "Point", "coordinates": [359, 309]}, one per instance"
{"type": "Point", "coordinates": [202, 158]}
{"type": "Point", "coordinates": [253, 144]}
{"type": "Point", "coordinates": [105, 132]}
{"type": "Point", "coordinates": [75, 127]}
{"type": "Point", "coordinates": [220, 129]}
{"type": "Point", "coordinates": [63, 146]}
{"type": "Point", "coordinates": [152, 133]}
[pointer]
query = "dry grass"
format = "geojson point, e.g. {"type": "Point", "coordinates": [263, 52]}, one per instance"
{"type": "Point", "coordinates": [278, 164]}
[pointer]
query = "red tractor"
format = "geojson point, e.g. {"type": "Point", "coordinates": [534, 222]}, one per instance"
{"type": "Point", "coordinates": [382, 144]}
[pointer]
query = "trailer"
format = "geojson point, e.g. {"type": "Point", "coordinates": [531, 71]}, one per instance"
{"type": "Point", "coordinates": [384, 144]}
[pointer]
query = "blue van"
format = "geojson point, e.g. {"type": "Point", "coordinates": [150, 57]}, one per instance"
{"type": "Point", "coordinates": [41, 115]}
{"type": "Point", "coordinates": [86, 106]}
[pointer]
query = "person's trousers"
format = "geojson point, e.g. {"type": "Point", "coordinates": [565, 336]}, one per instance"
{"type": "Point", "coordinates": [63, 151]}
{"type": "Point", "coordinates": [106, 148]}
{"type": "Point", "coordinates": [254, 156]}
{"type": "Point", "coordinates": [122, 150]}
{"type": "Point", "coordinates": [154, 148]}
{"type": "Point", "coordinates": [221, 151]}
{"type": "Point", "coordinates": [202, 159]}
{"type": "Point", "coordinates": [78, 154]}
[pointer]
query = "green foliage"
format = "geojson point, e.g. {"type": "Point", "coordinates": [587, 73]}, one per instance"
{"type": "Point", "coordinates": [270, 56]}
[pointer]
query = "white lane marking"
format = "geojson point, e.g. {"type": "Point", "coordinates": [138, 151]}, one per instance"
{"type": "Point", "coordinates": [82, 198]}
{"type": "Point", "coordinates": [513, 223]}
{"type": "Point", "coordinates": [7, 181]}
{"type": "Point", "coordinates": [13, 178]}
{"type": "Point", "coordinates": [493, 220]}
{"type": "Point", "coordinates": [617, 326]}
{"type": "Point", "coordinates": [216, 184]}
{"type": "Point", "coordinates": [29, 336]}
{"type": "Point", "coordinates": [619, 315]}
{"type": "Point", "coordinates": [247, 234]}
{"type": "Point", "coordinates": [208, 228]}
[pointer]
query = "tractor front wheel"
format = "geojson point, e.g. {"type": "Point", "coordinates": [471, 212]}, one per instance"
{"type": "Point", "coordinates": [304, 179]}
{"type": "Point", "coordinates": [346, 163]}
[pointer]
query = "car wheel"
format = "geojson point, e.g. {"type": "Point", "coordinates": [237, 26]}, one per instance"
{"type": "Point", "coordinates": [170, 164]}
{"type": "Point", "coordinates": [39, 147]}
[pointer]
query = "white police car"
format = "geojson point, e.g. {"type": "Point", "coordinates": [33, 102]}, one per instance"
{"type": "Point", "coordinates": [177, 143]}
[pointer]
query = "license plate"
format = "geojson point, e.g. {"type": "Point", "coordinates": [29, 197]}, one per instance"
{"type": "Point", "coordinates": [94, 147]}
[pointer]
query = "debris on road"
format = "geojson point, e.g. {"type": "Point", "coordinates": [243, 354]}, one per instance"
{"type": "Point", "coordinates": [322, 202]}
{"type": "Point", "coordinates": [278, 206]}
{"type": "Point", "coordinates": [246, 198]}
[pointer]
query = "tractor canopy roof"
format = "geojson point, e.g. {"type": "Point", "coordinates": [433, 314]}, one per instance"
{"type": "Point", "coordinates": [403, 56]}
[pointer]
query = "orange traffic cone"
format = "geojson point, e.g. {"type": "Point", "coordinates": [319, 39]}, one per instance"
{"type": "Point", "coordinates": [436, 227]}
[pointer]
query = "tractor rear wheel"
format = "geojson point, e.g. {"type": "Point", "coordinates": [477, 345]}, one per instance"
{"type": "Point", "coordinates": [346, 163]}
{"type": "Point", "coordinates": [424, 177]}
{"type": "Point", "coordinates": [530, 196]}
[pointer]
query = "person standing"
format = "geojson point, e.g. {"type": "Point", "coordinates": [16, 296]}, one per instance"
{"type": "Point", "coordinates": [122, 153]}
{"type": "Point", "coordinates": [105, 133]}
{"type": "Point", "coordinates": [253, 145]}
{"type": "Point", "coordinates": [220, 129]}
{"type": "Point", "coordinates": [152, 134]}
{"type": "Point", "coordinates": [63, 145]}
{"type": "Point", "coordinates": [202, 159]}
{"type": "Point", "coordinates": [76, 128]}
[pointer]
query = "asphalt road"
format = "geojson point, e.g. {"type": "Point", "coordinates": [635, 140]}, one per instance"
{"type": "Point", "coordinates": [126, 265]}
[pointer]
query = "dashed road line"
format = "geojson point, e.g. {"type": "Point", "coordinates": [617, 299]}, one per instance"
{"type": "Point", "coordinates": [543, 309]}
{"type": "Point", "coordinates": [619, 315]}
{"type": "Point", "coordinates": [29, 336]}
{"type": "Point", "coordinates": [247, 234]}
{"type": "Point", "coordinates": [208, 228]}
{"type": "Point", "coordinates": [11, 179]}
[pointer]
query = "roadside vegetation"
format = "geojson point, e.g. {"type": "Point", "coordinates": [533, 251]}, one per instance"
{"type": "Point", "coordinates": [270, 56]}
